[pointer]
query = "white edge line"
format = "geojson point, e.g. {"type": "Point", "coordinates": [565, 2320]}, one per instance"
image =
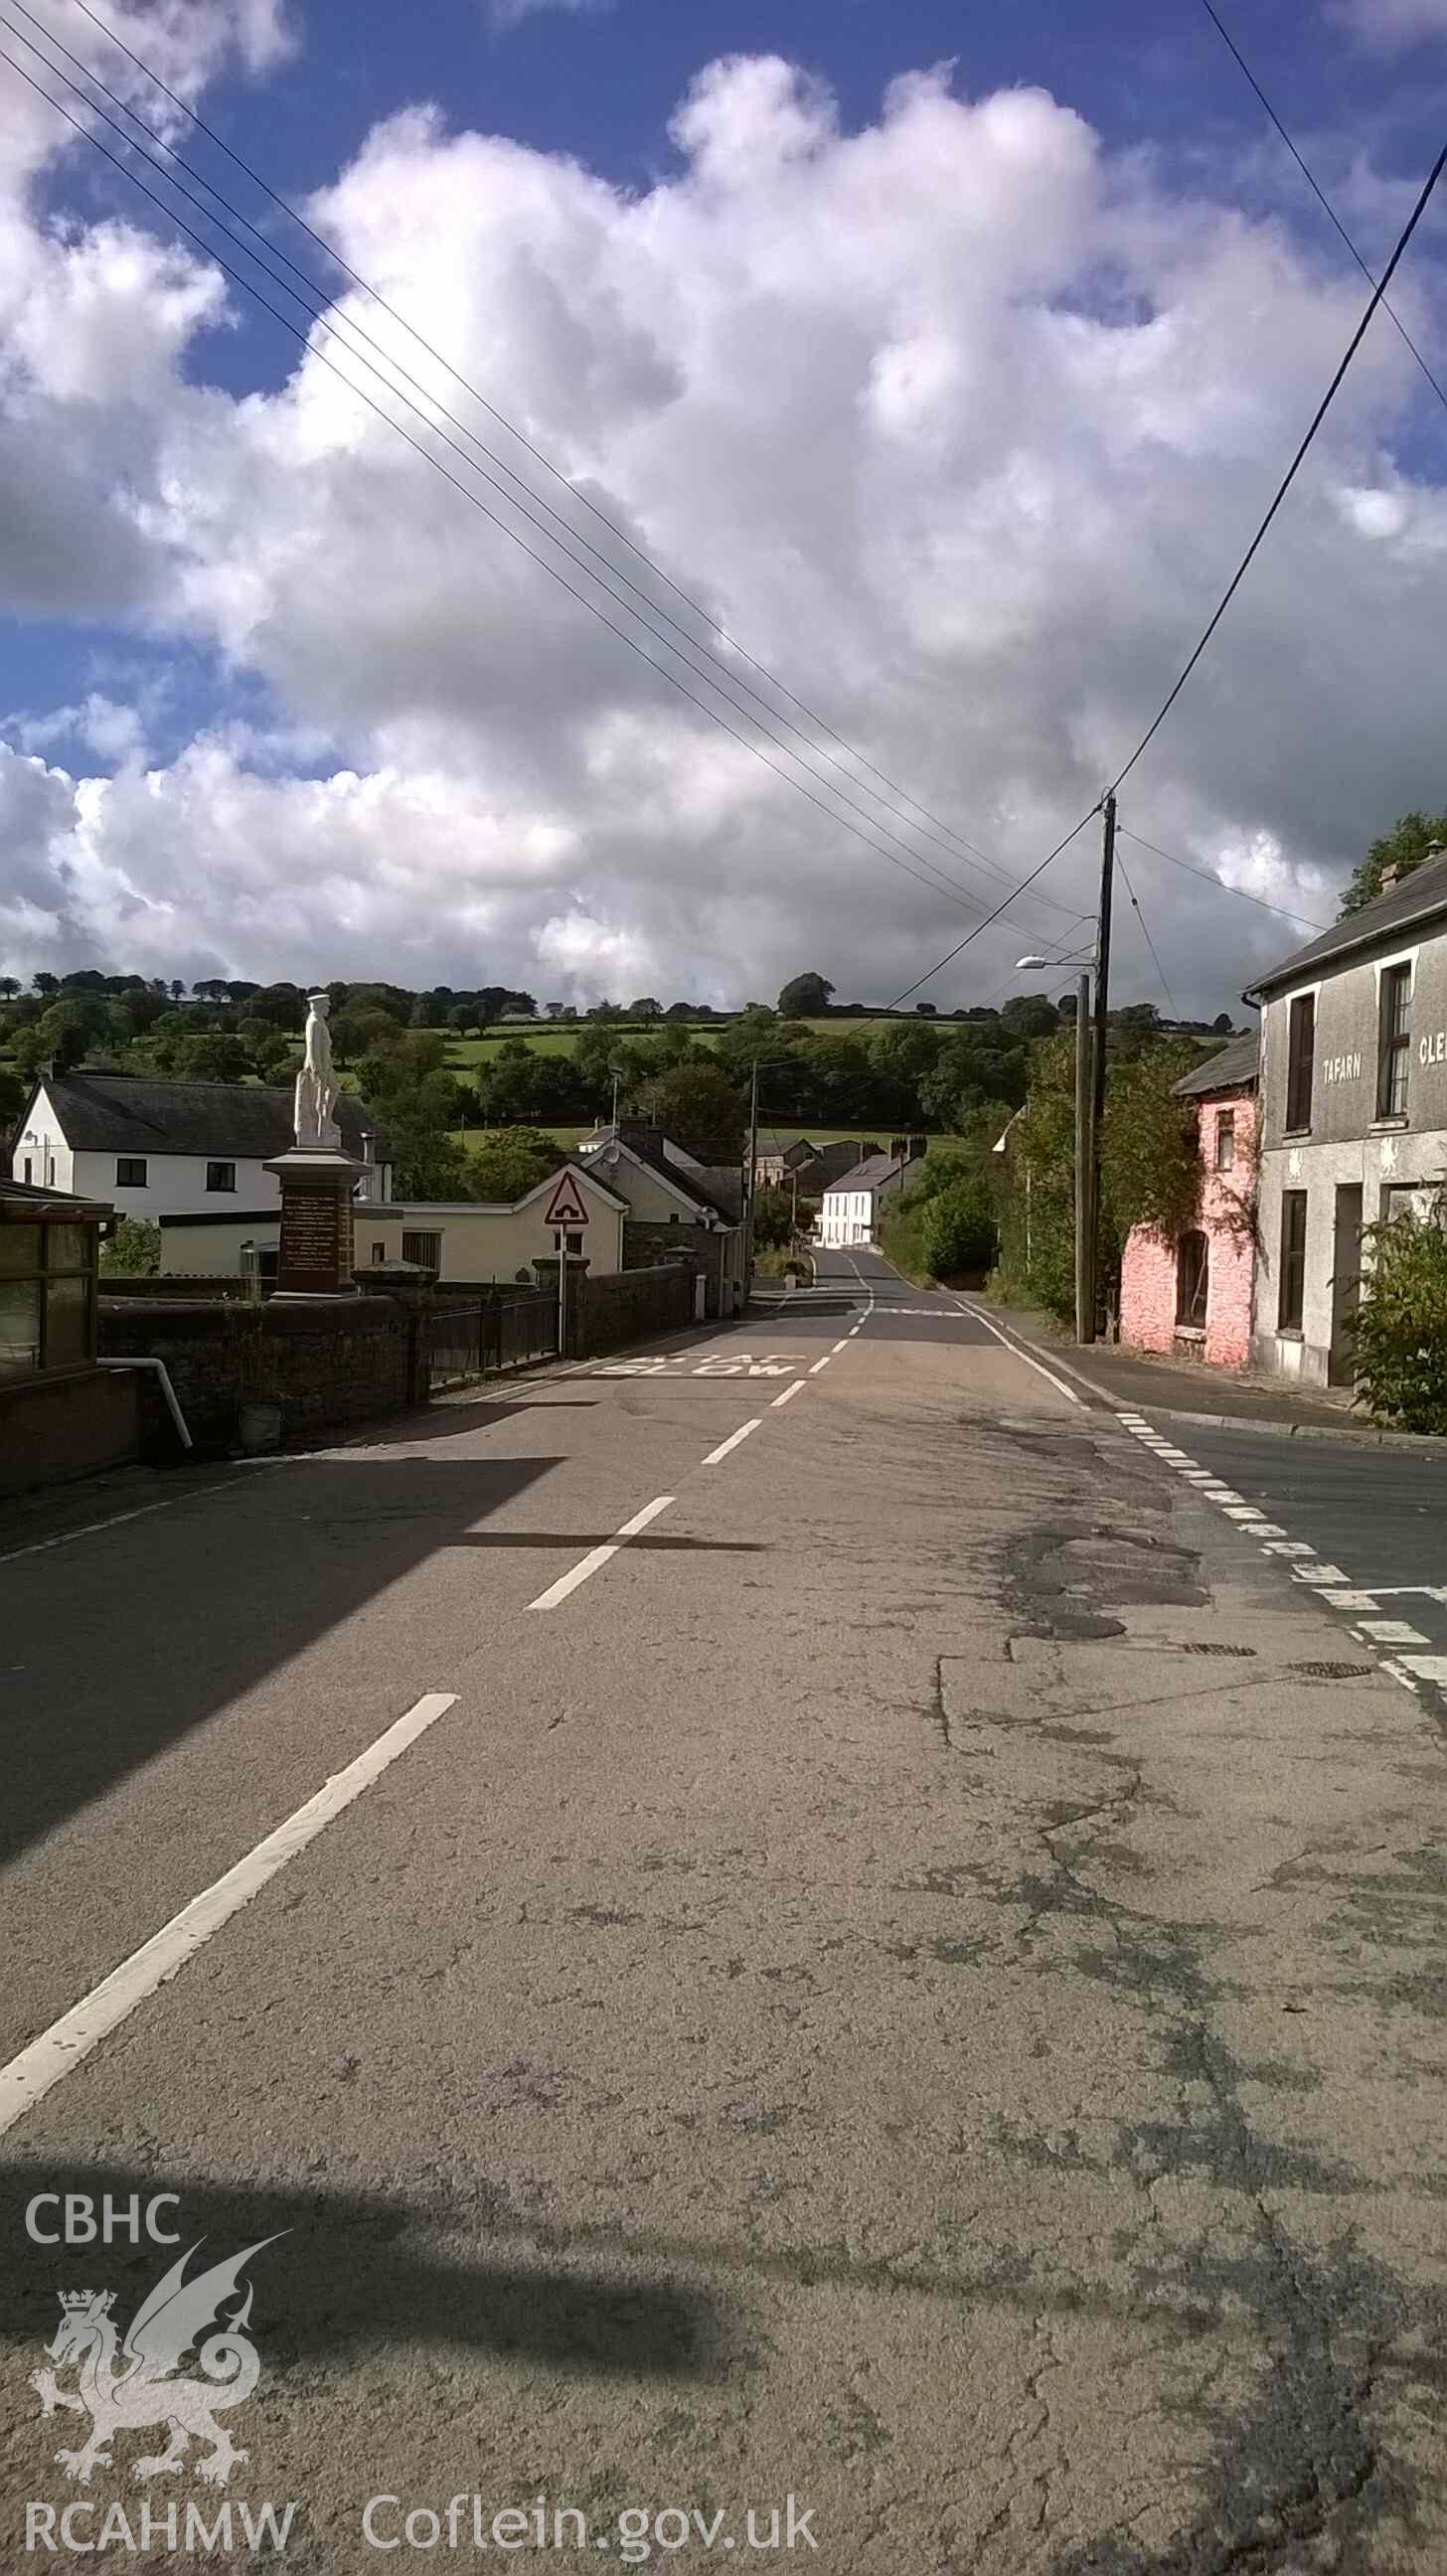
{"type": "Point", "coordinates": [30, 2076]}
{"type": "Point", "coordinates": [1027, 1356]}
{"type": "Point", "coordinates": [788, 1395]}
{"type": "Point", "coordinates": [732, 1442]}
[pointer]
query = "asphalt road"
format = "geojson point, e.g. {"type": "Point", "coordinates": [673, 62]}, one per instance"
{"type": "Point", "coordinates": [855, 1951]}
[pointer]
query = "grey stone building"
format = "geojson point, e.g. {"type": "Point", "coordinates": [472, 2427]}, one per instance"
{"type": "Point", "coordinates": [1353, 1113]}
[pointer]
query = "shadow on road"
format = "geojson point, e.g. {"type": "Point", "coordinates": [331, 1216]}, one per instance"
{"type": "Point", "coordinates": [355, 2269]}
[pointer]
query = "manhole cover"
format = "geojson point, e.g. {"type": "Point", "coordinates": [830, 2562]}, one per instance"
{"type": "Point", "coordinates": [1215, 1650]}
{"type": "Point", "coordinates": [1334, 1672]}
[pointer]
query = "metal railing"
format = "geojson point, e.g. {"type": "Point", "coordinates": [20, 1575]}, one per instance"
{"type": "Point", "coordinates": [476, 1336]}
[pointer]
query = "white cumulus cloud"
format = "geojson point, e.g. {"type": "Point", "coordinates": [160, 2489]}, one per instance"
{"type": "Point", "coordinates": [958, 421]}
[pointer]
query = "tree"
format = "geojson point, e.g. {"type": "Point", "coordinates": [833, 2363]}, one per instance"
{"type": "Point", "coordinates": [1029, 1015]}
{"type": "Point", "coordinates": [45, 983]}
{"type": "Point", "coordinates": [960, 1233]}
{"type": "Point", "coordinates": [9, 987]}
{"type": "Point", "coordinates": [805, 997]}
{"type": "Point", "coordinates": [646, 1009]}
{"type": "Point", "coordinates": [700, 1108]}
{"type": "Point", "coordinates": [1404, 848]}
{"type": "Point", "coordinates": [1400, 1328]}
{"type": "Point", "coordinates": [134, 1249]}
{"type": "Point", "coordinates": [212, 1058]}
{"type": "Point", "coordinates": [773, 1220]}
{"type": "Point", "coordinates": [510, 1161]}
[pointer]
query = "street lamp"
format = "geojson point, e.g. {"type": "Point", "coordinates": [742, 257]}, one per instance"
{"type": "Point", "coordinates": [1085, 1176]}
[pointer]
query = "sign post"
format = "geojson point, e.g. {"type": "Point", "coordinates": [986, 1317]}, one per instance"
{"type": "Point", "coordinates": [567, 1213]}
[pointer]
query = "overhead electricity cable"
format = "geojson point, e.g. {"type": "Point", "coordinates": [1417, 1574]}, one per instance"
{"type": "Point", "coordinates": [1145, 934]}
{"type": "Point", "coordinates": [1303, 920]}
{"type": "Point", "coordinates": [994, 916]}
{"type": "Point", "coordinates": [935, 882]}
{"type": "Point", "coordinates": [953, 839]}
{"type": "Point", "coordinates": [1284, 486]}
{"type": "Point", "coordinates": [1320, 195]}
{"type": "Point", "coordinates": [1289, 477]}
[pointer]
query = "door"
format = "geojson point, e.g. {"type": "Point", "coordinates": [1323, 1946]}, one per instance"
{"type": "Point", "coordinates": [1346, 1281]}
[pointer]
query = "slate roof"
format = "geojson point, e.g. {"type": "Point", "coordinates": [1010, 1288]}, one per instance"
{"type": "Point", "coordinates": [1234, 1068]}
{"type": "Point", "coordinates": [867, 1175]}
{"type": "Point", "coordinates": [715, 1188]}
{"type": "Point", "coordinates": [1418, 896]}
{"type": "Point", "coordinates": [120, 1113]}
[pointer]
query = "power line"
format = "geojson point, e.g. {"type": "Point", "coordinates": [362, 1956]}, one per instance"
{"type": "Point", "coordinates": [1378, 292]}
{"type": "Point", "coordinates": [1289, 477]}
{"type": "Point", "coordinates": [1303, 920]}
{"type": "Point", "coordinates": [1322, 199]}
{"type": "Point", "coordinates": [1145, 934]}
{"type": "Point", "coordinates": [994, 916]}
{"type": "Point", "coordinates": [935, 882]}
{"type": "Point", "coordinates": [954, 836]}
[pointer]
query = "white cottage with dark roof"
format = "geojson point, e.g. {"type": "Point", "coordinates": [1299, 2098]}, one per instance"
{"type": "Point", "coordinates": [168, 1149]}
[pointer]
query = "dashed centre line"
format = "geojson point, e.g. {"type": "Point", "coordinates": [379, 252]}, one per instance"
{"type": "Point", "coordinates": [598, 1556]}
{"type": "Point", "coordinates": [735, 1437]}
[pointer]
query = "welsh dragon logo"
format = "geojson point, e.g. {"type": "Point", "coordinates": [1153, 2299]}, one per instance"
{"type": "Point", "coordinates": [127, 2389]}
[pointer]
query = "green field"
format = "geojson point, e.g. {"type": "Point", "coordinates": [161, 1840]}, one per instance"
{"type": "Point", "coordinates": [546, 1037]}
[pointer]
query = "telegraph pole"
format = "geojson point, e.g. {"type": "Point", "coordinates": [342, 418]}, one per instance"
{"type": "Point", "coordinates": [1084, 1266]}
{"type": "Point", "coordinates": [1097, 1089]}
{"type": "Point", "coordinates": [749, 1180]}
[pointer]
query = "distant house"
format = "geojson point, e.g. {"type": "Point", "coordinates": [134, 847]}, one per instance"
{"type": "Point", "coordinates": [1192, 1293]}
{"type": "Point", "coordinates": [851, 1205]}
{"type": "Point", "coordinates": [196, 1151]}
{"type": "Point", "coordinates": [475, 1242]}
{"type": "Point", "coordinates": [678, 1208]}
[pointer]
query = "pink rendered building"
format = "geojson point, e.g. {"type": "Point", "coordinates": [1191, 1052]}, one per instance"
{"type": "Point", "coordinates": [1192, 1295]}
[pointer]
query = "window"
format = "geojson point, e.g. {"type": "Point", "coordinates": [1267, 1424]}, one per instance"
{"type": "Point", "coordinates": [379, 1252]}
{"type": "Point", "coordinates": [1293, 1261]}
{"type": "Point", "coordinates": [47, 1297]}
{"type": "Point", "coordinates": [1192, 1270]}
{"type": "Point", "coordinates": [1225, 1140]}
{"type": "Point", "coordinates": [221, 1176]}
{"type": "Point", "coordinates": [1394, 1040]}
{"type": "Point", "coordinates": [575, 1243]}
{"type": "Point", "coordinates": [1300, 1063]}
{"type": "Point", "coordinates": [26, 1174]}
{"type": "Point", "coordinates": [130, 1171]}
{"type": "Point", "coordinates": [423, 1248]}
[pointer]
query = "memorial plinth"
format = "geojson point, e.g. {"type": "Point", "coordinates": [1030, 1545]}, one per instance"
{"type": "Point", "coordinates": [315, 1257]}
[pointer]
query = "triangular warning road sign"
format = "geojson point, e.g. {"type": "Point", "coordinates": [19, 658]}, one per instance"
{"type": "Point", "coordinates": [565, 1207]}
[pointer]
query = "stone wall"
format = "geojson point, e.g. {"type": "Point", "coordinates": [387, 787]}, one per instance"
{"type": "Point", "coordinates": [327, 1365]}
{"type": "Point", "coordinates": [73, 1424]}
{"type": "Point", "coordinates": [700, 1246]}
{"type": "Point", "coordinates": [629, 1306]}
{"type": "Point", "coordinates": [202, 1283]}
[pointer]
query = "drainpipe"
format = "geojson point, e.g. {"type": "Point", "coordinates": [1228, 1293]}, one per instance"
{"type": "Point", "coordinates": [163, 1375]}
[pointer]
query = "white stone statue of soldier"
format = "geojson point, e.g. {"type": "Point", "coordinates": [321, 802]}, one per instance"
{"type": "Point", "coordinates": [316, 1089]}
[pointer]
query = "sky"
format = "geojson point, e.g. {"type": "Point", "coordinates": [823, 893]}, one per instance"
{"type": "Point", "coordinates": [928, 368]}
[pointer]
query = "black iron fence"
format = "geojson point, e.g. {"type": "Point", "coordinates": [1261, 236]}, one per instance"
{"type": "Point", "coordinates": [471, 1337]}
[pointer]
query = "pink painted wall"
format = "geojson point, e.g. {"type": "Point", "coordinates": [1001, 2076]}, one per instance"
{"type": "Point", "coordinates": [1148, 1268]}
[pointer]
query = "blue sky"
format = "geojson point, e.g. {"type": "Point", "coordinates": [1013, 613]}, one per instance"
{"type": "Point", "coordinates": [1208, 276]}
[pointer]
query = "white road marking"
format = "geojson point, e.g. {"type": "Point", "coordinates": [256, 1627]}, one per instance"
{"type": "Point", "coordinates": [820, 1364]}
{"type": "Point", "coordinates": [88, 1529]}
{"type": "Point", "coordinates": [1393, 1632]}
{"type": "Point", "coordinates": [1027, 1356]}
{"type": "Point", "coordinates": [788, 1395]}
{"type": "Point", "coordinates": [1288, 1547]}
{"type": "Point", "coordinates": [735, 1437]}
{"type": "Point", "coordinates": [1427, 1668]}
{"type": "Point", "coordinates": [1350, 1600]}
{"type": "Point", "coordinates": [841, 1346]}
{"type": "Point", "coordinates": [30, 2076]}
{"type": "Point", "coordinates": [597, 1556]}
{"type": "Point", "coordinates": [1322, 1578]}
{"type": "Point", "coordinates": [1242, 1512]}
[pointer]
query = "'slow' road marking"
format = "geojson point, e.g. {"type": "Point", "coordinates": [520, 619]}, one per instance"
{"type": "Point", "coordinates": [735, 1437]}
{"type": "Point", "coordinates": [597, 1556]}
{"type": "Point", "coordinates": [30, 2076]}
